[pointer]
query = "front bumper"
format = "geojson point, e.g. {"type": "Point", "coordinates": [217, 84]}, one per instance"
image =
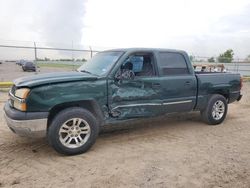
{"type": "Point", "coordinates": [28, 124]}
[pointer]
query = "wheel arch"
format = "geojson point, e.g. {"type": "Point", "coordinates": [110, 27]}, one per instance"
{"type": "Point", "coordinates": [90, 105]}
{"type": "Point", "coordinates": [206, 113]}
{"type": "Point", "coordinates": [223, 92]}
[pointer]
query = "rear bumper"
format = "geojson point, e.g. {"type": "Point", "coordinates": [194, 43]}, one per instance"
{"type": "Point", "coordinates": [235, 96]}
{"type": "Point", "coordinates": [28, 124]}
{"type": "Point", "coordinates": [239, 98]}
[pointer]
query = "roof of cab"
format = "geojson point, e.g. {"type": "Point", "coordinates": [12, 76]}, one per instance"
{"type": "Point", "coordinates": [131, 50]}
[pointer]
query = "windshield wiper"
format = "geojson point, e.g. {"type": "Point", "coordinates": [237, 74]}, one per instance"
{"type": "Point", "coordinates": [85, 71]}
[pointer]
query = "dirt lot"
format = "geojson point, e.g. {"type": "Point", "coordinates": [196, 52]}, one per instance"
{"type": "Point", "coordinates": [174, 151]}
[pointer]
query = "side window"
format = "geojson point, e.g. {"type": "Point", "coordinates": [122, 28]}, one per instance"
{"type": "Point", "coordinates": [143, 65]}
{"type": "Point", "coordinates": [172, 63]}
{"type": "Point", "coordinates": [137, 61]}
{"type": "Point", "coordinates": [137, 65]}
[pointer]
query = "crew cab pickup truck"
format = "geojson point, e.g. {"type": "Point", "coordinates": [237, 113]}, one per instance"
{"type": "Point", "coordinates": [70, 107]}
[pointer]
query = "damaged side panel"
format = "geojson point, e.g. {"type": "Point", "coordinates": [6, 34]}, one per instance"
{"type": "Point", "coordinates": [46, 97]}
{"type": "Point", "coordinates": [134, 98]}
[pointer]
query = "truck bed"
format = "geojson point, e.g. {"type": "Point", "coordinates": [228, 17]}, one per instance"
{"type": "Point", "coordinates": [226, 84]}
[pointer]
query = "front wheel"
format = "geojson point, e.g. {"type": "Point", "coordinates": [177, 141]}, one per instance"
{"type": "Point", "coordinates": [73, 131]}
{"type": "Point", "coordinates": [216, 110]}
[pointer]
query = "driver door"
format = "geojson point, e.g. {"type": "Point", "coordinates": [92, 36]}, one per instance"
{"type": "Point", "coordinates": [139, 95]}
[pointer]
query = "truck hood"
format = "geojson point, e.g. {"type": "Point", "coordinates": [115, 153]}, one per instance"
{"type": "Point", "coordinates": [49, 78]}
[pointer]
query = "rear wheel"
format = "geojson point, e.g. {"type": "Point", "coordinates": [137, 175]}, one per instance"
{"type": "Point", "coordinates": [73, 131]}
{"type": "Point", "coordinates": [216, 110]}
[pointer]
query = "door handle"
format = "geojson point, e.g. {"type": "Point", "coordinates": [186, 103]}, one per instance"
{"type": "Point", "coordinates": [187, 83]}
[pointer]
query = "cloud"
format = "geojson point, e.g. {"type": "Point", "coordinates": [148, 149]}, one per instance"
{"type": "Point", "coordinates": [202, 27]}
{"type": "Point", "coordinates": [55, 23]}
{"type": "Point", "coordinates": [234, 23]}
{"type": "Point", "coordinates": [60, 21]}
{"type": "Point", "coordinates": [196, 26]}
{"type": "Point", "coordinates": [229, 31]}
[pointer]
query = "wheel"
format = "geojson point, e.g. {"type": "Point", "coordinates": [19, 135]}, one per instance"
{"type": "Point", "coordinates": [73, 131]}
{"type": "Point", "coordinates": [216, 110]}
{"type": "Point", "coordinates": [23, 69]}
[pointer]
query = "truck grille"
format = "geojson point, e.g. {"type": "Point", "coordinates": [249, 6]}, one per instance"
{"type": "Point", "coordinates": [12, 91]}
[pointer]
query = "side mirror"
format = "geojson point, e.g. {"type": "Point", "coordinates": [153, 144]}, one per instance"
{"type": "Point", "coordinates": [124, 75]}
{"type": "Point", "coordinates": [118, 77]}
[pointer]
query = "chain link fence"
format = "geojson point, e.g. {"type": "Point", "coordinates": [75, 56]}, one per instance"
{"type": "Point", "coordinates": [47, 57]}
{"type": "Point", "coordinates": [51, 57]}
{"type": "Point", "coordinates": [238, 65]}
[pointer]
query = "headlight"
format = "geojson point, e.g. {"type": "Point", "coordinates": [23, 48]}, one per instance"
{"type": "Point", "coordinates": [20, 106]}
{"type": "Point", "coordinates": [22, 93]}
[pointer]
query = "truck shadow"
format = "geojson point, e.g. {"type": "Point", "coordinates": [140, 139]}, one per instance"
{"type": "Point", "coordinates": [165, 122]}
{"type": "Point", "coordinates": [110, 134]}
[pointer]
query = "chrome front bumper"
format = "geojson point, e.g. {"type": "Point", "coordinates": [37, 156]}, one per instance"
{"type": "Point", "coordinates": [32, 126]}
{"type": "Point", "coordinates": [28, 128]}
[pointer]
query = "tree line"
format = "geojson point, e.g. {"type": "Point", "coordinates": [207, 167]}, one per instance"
{"type": "Point", "coordinates": [226, 57]}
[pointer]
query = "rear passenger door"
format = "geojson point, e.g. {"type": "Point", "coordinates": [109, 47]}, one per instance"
{"type": "Point", "coordinates": [177, 82]}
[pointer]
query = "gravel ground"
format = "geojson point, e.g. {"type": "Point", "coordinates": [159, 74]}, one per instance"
{"type": "Point", "coordinates": [172, 151]}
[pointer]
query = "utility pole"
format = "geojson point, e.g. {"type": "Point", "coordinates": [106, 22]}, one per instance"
{"type": "Point", "coordinates": [35, 51]}
{"type": "Point", "coordinates": [72, 55]}
{"type": "Point", "coordinates": [72, 47]}
{"type": "Point", "coordinates": [35, 55]}
{"type": "Point", "coordinates": [91, 52]}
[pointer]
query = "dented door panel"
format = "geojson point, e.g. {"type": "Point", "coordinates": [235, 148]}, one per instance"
{"type": "Point", "coordinates": [135, 98]}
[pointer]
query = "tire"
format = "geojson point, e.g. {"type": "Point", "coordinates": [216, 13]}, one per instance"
{"type": "Point", "coordinates": [80, 139]}
{"type": "Point", "coordinates": [216, 110]}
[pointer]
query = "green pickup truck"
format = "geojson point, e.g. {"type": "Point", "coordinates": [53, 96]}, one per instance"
{"type": "Point", "coordinates": [116, 85]}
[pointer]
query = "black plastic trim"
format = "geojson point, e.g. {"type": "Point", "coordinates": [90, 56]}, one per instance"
{"type": "Point", "coordinates": [18, 115]}
{"type": "Point", "coordinates": [239, 98]}
{"type": "Point", "coordinates": [234, 96]}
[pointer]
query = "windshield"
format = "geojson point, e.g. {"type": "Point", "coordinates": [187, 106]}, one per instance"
{"type": "Point", "coordinates": [101, 63]}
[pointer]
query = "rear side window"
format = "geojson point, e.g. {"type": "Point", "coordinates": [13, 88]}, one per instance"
{"type": "Point", "coordinates": [172, 63]}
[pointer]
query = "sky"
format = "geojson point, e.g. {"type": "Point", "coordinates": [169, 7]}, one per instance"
{"type": "Point", "coordinates": [201, 27]}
